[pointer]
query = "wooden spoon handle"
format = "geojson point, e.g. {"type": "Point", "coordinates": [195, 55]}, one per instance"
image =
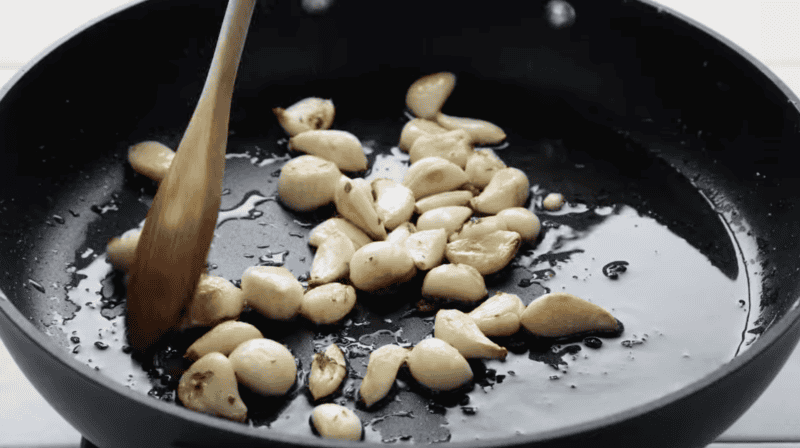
{"type": "Point", "coordinates": [174, 244]}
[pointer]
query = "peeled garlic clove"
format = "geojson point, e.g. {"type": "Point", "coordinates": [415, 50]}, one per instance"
{"type": "Point", "coordinates": [394, 202]}
{"type": "Point", "coordinates": [272, 291]}
{"type": "Point", "coordinates": [482, 166]}
{"type": "Point", "coordinates": [328, 304]}
{"type": "Point", "coordinates": [340, 147]}
{"type": "Point", "coordinates": [223, 339]}
{"type": "Point", "coordinates": [414, 129]}
{"type": "Point", "coordinates": [333, 421]}
{"type": "Point", "coordinates": [438, 366]}
{"type": "Point", "coordinates": [446, 199]}
{"type": "Point", "coordinates": [151, 159]}
{"type": "Point", "coordinates": [561, 314]}
{"type": "Point", "coordinates": [460, 331]}
{"type": "Point", "coordinates": [209, 386]}
{"type": "Point", "coordinates": [481, 131]}
{"type": "Point", "coordinates": [122, 251]}
{"type": "Point", "coordinates": [426, 248]}
{"type": "Point", "coordinates": [448, 218]}
{"type": "Point", "coordinates": [306, 115]}
{"type": "Point", "coordinates": [460, 282]}
{"type": "Point", "coordinates": [215, 300]}
{"type": "Point", "coordinates": [433, 175]}
{"type": "Point", "coordinates": [553, 201]}
{"type": "Point", "coordinates": [499, 314]}
{"type": "Point", "coordinates": [354, 201]}
{"type": "Point", "coordinates": [455, 146]}
{"type": "Point", "coordinates": [307, 183]}
{"type": "Point", "coordinates": [327, 372]}
{"type": "Point", "coordinates": [380, 265]}
{"type": "Point", "coordinates": [381, 372]}
{"type": "Point", "coordinates": [399, 235]}
{"type": "Point", "coordinates": [478, 228]}
{"type": "Point", "coordinates": [332, 260]}
{"type": "Point", "coordinates": [508, 188]}
{"type": "Point", "coordinates": [488, 254]}
{"type": "Point", "coordinates": [427, 95]}
{"type": "Point", "coordinates": [332, 226]}
{"type": "Point", "coordinates": [264, 366]}
{"type": "Point", "coordinates": [522, 221]}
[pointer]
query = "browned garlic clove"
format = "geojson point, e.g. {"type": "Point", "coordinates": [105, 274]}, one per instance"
{"type": "Point", "coordinates": [460, 282]}
{"type": "Point", "coordinates": [499, 314]}
{"type": "Point", "coordinates": [482, 166]}
{"type": "Point", "coordinates": [434, 175]}
{"type": "Point", "coordinates": [478, 228]}
{"type": "Point", "coordinates": [455, 146]}
{"type": "Point", "coordinates": [332, 421]}
{"type": "Point", "coordinates": [553, 201]}
{"type": "Point", "coordinates": [309, 114]}
{"type": "Point", "coordinates": [307, 183]}
{"type": "Point", "coordinates": [394, 202]}
{"type": "Point", "coordinates": [215, 300]}
{"type": "Point", "coordinates": [427, 95]}
{"type": "Point", "coordinates": [399, 235]}
{"type": "Point", "coordinates": [448, 218]}
{"type": "Point", "coordinates": [522, 221]}
{"type": "Point", "coordinates": [446, 199]}
{"type": "Point", "coordinates": [488, 254]}
{"type": "Point", "coordinates": [354, 201]}
{"type": "Point", "coordinates": [426, 248]}
{"type": "Point", "coordinates": [328, 370]}
{"type": "Point", "coordinates": [272, 291]}
{"type": "Point", "coordinates": [380, 265]}
{"type": "Point", "coordinates": [561, 314]}
{"type": "Point", "coordinates": [481, 131]}
{"type": "Point", "coordinates": [209, 386]}
{"type": "Point", "coordinates": [332, 226]}
{"type": "Point", "coordinates": [332, 260]}
{"type": "Point", "coordinates": [416, 128]}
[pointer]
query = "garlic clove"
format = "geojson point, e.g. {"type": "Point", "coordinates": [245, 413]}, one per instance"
{"type": "Point", "coordinates": [272, 291]}
{"type": "Point", "coordinates": [426, 248]}
{"type": "Point", "coordinates": [332, 421]}
{"type": "Point", "coordinates": [438, 366]}
{"type": "Point", "coordinates": [508, 188]}
{"type": "Point", "coordinates": [481, 167]}
{"type": "Point", "coordinates": [414, 129]}
{"type": "Point", "coordinates": [331, 226]}
{"type": "Point", "coordinates": [399, 235]}
{"type": "Point", "coordinates": [488, 253]}
{"type": "Point", "coordinates": [264, 366]}
{"type": "Point", "coordinates": [460, 331]}
{"type": "Point", "coordinates": [332, 260]}
{"type": "Point", "coordinates": [151, 159]}
{"type": "Point", "coordinates": [306, 115]}
{"type": "Point", "coordinates": [328, 370]}
{"type": "Point", "coordinates": [448, 218]}
{"type": "Point", "coordinates": [340, 147]}
{"type": "Point", "coordinates": [522, 221]}
{"type": "Point", "coordinates": [307, 183]}
{"type": "Point", "coordinates": [482, 132]}
{"type": "Point", "coordinates": [448, 198]}
{"type": "Point", "coordinates": [354, 201]}
{"type": "Point", "coordinates": [215, 300]}
{"type": "Point", "coordinates": [433, 175]}
{"type": "Point", "coordinates": [209, 386]}
{"type": "Point", "coordinates": [394, 202]}
{"type": "Point", "coordinates": [499, 314]}
{"type": "Point", "coordinates": [561, 314]}
{"type": "Point", "coordinates": [455, 146]}
{"type": "Point", "coordinates": [478, 228]}
{"type": "Point", "coordinates": [380, 265]}
{"type": "Point", "coordinates": [381, 372]}
{"type": "Point", "coordinates": [553, 202]}
{"type": "Point", "coordinates": [427, 95]}
{"type": "Point", "coordinates": [328, 304]}
{"type": "Point", "coordinates": [459, 282]}
{"type": "Point", "coordinates": [122, 251]}
{"type": "Point", "coordinates": [223, 339]}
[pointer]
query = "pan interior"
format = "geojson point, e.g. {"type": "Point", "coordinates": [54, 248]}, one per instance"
{"type": "Point", "coordinates": [685, 297]}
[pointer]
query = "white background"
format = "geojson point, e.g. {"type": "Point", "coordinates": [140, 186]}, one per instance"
{"type": "Point", "coordinates": [768, 29]}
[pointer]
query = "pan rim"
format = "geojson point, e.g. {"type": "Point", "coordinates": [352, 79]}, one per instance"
{"type": "Point", "coordinates": [776, 333]}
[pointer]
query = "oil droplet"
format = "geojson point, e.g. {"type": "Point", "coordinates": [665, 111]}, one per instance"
{"type": "Point", "coordinates": [58, 219]}
{"type": "Point", "coordinates": [613, 269]}
{"type": "Point", "coordinates": [559, 14]}
{"type": "Point", "coordinates": [101, 345]}
{"type": "Point", "coordinates": [38, 286]}
{"type": "Point", "coordinates": [273, 258]}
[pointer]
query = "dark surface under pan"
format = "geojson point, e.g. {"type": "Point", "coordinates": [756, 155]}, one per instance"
{"type": "Point", "coordinates": [629, 106]}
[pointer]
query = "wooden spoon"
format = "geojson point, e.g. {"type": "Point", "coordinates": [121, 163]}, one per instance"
{"type": "Point", "coordinates": [177, 234]}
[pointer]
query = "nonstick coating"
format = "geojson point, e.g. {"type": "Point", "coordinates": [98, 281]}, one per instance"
{"type": "Point", "coordinates": [642, 79]}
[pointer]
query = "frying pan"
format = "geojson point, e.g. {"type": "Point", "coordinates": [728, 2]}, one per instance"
{"type": "Point", "coordinates": [630, 105]}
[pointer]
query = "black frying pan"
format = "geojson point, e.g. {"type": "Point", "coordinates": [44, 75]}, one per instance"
{"type": "Point", "coordinates": [629, 107]}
